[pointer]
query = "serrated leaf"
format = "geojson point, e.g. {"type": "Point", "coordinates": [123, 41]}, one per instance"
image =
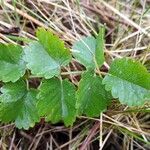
{"type": "Point", "coordinates": [92, 98]}
{"type": "Point", "coordinates": [18, 104]}
{"type": "Point", "coordinates": [46, 57]}
{"type": "Point", "coordinates": [129, 81]}
{"type": "Point", "coordinates": [57, 101]}
{"type": "Point", "coordinates": [39, 61]}
{"type": "Point", "coordinates": [54, 46]}
{"type": "Point", "coordinates": [90, 51]}
{"type": "Point", "coordinates": [12, 65]}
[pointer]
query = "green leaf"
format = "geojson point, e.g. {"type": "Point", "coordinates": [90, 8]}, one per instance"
{"type": "Point", "coordinates": [39, 61]}
{"type": "Point", "coordinates": [147, 65]}
{"type": "Point", "coordinates": [46, 57]}
{"type": "Point", "coordinates": [92, 98]}
{"type": "Point", "coordinates": [83, 51]}
{"type": "Point", "coordinates": [99, 52]}
{"type": "Point", "coordinates": [18, 104]}
{"type": "Point", "coordinates": [129, 81]}
{"type": "Point", "coordinates": [12, 65]}
{"type": "Point", "coordinates": [54, 46]}
{"type": "Point", "coordinates": [89, 51]}
{"type": "Point", "coordinates": [57, 101]}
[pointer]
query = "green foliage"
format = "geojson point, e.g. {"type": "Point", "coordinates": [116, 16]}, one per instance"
{"type": "Point", "coordinates": [12, 66]}
{"type": "Point", "coordinates": [18, 104]}
{"type": "Point", "coordinates": [99, 51]}
{"type": "Point", "coordinates": [92, 98]}
{"type": "Point", "coordinates": [46, 57]}
{"type": "Point", "coordinates": [39, 61]}
{"type": "Point", "coordinates": [89, 51]}
{"type": "Point", "coordinates": [54, 47]}
{"type": "Point", "coordinates": [129, 81]}
{"type": "Point", "coordinates": [57, 99]}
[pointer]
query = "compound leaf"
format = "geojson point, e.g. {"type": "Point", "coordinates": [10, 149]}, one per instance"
{"type": "Point", "coordinates": [129, 81]}
{"type": "Point", "coordinates": [12, 65]}
{"type": "Point", "coordinates": [90, 51]}
{"type": "Point", "coordinates": [18, 104]}
{"type": "Point", "coordinates": [92, 98]}
{"type": "Point", "coordinates": [57, 101]}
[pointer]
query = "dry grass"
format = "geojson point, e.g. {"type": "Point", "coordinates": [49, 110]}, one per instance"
{"type": "Point", "coordinates": [128, 26]}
